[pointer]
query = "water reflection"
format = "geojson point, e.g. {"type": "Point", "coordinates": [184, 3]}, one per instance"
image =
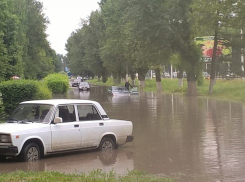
{"type": "Point", "coordinates": [117, 160]}
{"type": "Point", "coordinates": [193, 139]}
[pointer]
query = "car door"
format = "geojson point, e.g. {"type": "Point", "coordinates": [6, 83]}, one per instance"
{"type": "Point", "coordinates": [91, 124]}
{"type": "Point", "coordinates": [66, 135]}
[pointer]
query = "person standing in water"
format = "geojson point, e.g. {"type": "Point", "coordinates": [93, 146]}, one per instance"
{"type": "Point", "coordinates": [127, 85]}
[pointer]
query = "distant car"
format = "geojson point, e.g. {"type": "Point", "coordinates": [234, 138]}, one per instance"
{"type": "Point", "coordinates": [166, 75]}
{"type": "Point", "coordinates": [230, 75]}
{"type": "Point", "coordinates": [41, 127]}
{"type": "Point", "coordinates": [184, 75]}
{"type": "Point", "coordinates": [84, 86]}
{"type": "Point", "coordinates": [174, 74]}
{"type": "Point", "coordinates": [75, 83]}
{"type": "Point", "coordinates": [206, 75]}
{"type": "Point", "coordinates": [118, 90]}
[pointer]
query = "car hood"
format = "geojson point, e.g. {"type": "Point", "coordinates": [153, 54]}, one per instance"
{"type": "Point", "coordinates": [20, 127]}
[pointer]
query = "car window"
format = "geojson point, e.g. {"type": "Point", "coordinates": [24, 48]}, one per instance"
{"type": "Point", "coordinates": [66, 112]}
{"type": "Point", "coordinates": [87, 112]}
{"type": "Point", "coordinates": [39, 113]}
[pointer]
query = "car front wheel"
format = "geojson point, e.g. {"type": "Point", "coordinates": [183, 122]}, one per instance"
{"type": "Point", "coordinates": [107, 144]}
{"type": "Point", "coordinates": [30, 152]}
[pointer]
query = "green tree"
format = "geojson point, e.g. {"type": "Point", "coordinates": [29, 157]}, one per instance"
{"type": "Point", "coordinates": [94, 32]}
{"type": "Point", "coordinates": [10, 46]}
{"type": "Point", "coordinates": [112, 49]}
{"type": "Point", "coordinates": [39, 60]}
{"type": "Point", "coordinates": [151, 30]}
{"type": "Point", "coordinates": [221, 18]}
{"type": "Point", "coordinates": [75, 55]}
{"type": "Point", "coordinates": [59, 61]}
{"type": "Point", "coordinates": [24, 49]}
{"type": "Point", "coordinates": [183, 41]}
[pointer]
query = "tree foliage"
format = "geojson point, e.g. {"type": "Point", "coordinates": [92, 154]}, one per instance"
{"type": "Point", "coordinates": [24, 49]}
{"type": "Point", "coordinates": [225, 20]}
{"type": "Point", "coordinates": [129, 36]}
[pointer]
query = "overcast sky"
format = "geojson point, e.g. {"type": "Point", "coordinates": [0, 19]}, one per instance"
{"type": "Point", "coordinates": [65, 17]}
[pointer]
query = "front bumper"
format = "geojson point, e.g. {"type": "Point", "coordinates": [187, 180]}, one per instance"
{"type": "Point", "coordinates": [83, 88]}
{"type": "Point", "coordinates": [8, 150]}
{"type": "Point", "coordinates": [130, 138]}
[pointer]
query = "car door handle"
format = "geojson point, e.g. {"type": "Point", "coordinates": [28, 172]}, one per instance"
{"type": "Point", "coordinates": [76, 125]}
{"type": "Point", "coordinates": [101, 124]}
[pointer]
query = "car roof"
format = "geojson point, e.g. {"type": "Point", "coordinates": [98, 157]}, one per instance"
{"type": "Point", "coordinates": [61, 101]}
{"type": "Point", "coordinates": [56, 102]}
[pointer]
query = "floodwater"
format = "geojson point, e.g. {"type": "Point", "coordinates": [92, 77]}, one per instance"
{"type": "Point", "coordinates": [191, 139]}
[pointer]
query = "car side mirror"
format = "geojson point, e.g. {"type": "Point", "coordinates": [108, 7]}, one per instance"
{"type": "Point", "coordinates": [58, 120]}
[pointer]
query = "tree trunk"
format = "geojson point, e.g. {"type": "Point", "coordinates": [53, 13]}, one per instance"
{"type": "Point", "coordinates": [211, 85]}
{"type": "Point", "coordinates": [158, 80]}
{"type": "Point", "coordinates": [192, 85]}
{"type": "Point", "coordinates": [132, 75]}
{"type": "Point", "coordinates": [141, 84]}
{"type": "Point", "coordinates": [180, 82]}
{"type": "Point", "coordinates": [159, 87]}
{"type": "Point", "coordinates": [180, 77]}
{"type": "Point", "coordinates": [192, 88]}
{"type": "Point", "coordinates": [141, 76]}
{"type": "Point", "coordinates": [126, 77]}
{"type": "Point", "coordinates": [133, 82]}
{"type": "Point", "coordinates": [213, 63]}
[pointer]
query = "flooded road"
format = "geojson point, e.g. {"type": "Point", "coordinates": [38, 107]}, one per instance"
{"type": "Point", "coordinates": [192, 139]}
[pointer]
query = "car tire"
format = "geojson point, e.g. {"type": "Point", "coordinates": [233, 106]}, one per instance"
{"type": "Point", "coordinates": [30, 152]}
{"type": "Point", "coordinates": [107, 144]}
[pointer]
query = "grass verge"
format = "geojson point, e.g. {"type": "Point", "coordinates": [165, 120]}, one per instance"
{"type": "Point", "coordinates": [94, 176]}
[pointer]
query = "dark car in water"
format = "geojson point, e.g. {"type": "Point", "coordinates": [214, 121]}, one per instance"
{"type": "Point", "coordinates": [84, 86]}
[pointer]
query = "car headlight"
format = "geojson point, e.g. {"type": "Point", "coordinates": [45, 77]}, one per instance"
{"type": "Point", "coordinates": [5, 139]}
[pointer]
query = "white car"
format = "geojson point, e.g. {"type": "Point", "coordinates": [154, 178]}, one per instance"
{"type": "Point", "coordinates": [84, 86]}
{"type": "Point", "coordinates": [43, 127]}
{"type": "Point", "coordinates": [118, 90]}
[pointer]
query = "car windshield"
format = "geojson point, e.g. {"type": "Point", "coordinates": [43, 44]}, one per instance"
{"type": "Point", "coordinates": [31, 113]}
{"type": "Point", "coordinates": [119, 89]}
{"type": "Point", "coordinates": [84, 83]}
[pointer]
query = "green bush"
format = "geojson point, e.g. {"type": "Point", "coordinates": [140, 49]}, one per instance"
{"type": "Point", "coordinates": [16, 91]}
{"type": "Point", "coordinates": [43, 91]}
{"type": "Point", "coordinates": [200, 79]}
{"type": "Point", "coordinates": [57, 83]}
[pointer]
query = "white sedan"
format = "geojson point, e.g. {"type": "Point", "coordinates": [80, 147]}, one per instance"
{"type": "Point", "coordinates": [43, 127]}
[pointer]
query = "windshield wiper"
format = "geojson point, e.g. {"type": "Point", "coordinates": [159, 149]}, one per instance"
{"type": "Point", "coordinates": [29, 120]}
{"type": "Point", "coordinates": [26, 121]}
